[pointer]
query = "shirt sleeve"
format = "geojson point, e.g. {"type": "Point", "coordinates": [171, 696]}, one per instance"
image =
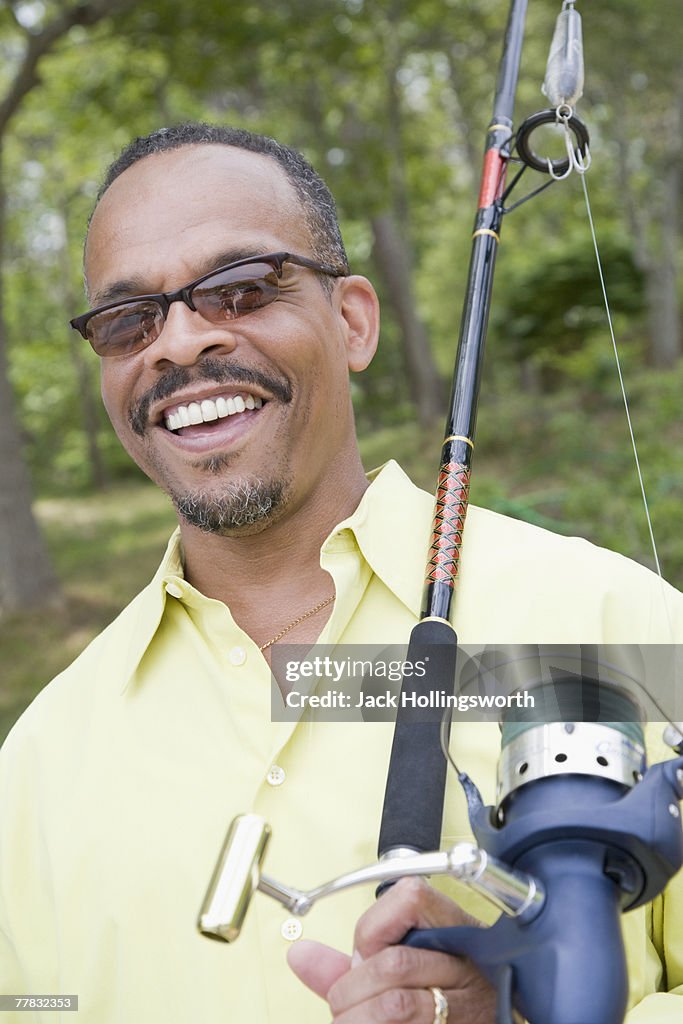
{"type": "Point", "coordinates": [12, 977]}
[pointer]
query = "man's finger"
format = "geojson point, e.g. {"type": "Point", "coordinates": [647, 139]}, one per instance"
{"type": "Point", "coordinates": [411, 903]}
{"type": "Point", "coordinates": [411, 1006]}
{"type": "Point", "coordinates": [317, 965]}
{"type": "Point", "coordinates": [399, 968]}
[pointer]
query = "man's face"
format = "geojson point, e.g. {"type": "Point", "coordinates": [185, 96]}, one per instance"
{"type": "Point", "coordinates": [280, 372]}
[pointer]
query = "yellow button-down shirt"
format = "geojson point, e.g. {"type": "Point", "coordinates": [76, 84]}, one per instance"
{"type": "Point", "coordinates": [117, 784]}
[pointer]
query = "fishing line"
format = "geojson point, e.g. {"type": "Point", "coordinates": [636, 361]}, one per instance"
{"type": "Point", "coordinates": [621, 376]}
{"type": "Point", "coordinates": [628, 413]}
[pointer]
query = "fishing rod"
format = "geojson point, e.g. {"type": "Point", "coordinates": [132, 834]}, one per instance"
{"type": "Point", "coordinates": [575, 837]}
{"type": "Point", "coordinates": [572, 825]}
{"type": "Point", "coordinates": [416, 779]}
{"type": "Point", "coordinates": [413, 803]}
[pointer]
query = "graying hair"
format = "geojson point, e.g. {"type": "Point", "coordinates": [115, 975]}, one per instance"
{"type": "Point", "coordinates": [242, 503]}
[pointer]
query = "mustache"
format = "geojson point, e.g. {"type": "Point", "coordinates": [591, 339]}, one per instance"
{"type": "Point", "coordinates": [214, 371]}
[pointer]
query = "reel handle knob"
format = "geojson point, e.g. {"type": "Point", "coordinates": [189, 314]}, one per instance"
{"type": "Point", "coordinates": [235, 878]}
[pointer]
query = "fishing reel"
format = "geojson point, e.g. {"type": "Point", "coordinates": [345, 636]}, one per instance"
{"type": "Point", "coordinates": [582, 830]}
{"type": "Point", "coordinates": [579, 810]}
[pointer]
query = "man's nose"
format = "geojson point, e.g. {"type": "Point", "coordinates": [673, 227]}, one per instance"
{"type": "Point", "coordinates": [186, 335]}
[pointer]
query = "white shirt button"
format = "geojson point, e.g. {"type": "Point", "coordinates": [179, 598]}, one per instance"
{"type": "Point", "coordinates": [292, 929]}
{"type": "Point", "coordinates": [276, 776]}
{"type": "Point", "coordinates": [174, 590]}
{"type": "Point", "coordinates": [237, 656]}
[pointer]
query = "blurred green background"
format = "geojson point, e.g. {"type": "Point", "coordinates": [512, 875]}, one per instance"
{"type": "Point", "coordinates": [389, 100]}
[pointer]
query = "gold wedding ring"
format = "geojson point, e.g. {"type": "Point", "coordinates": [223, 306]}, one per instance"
{"type": "Point", "coordinates": [440, 1006]}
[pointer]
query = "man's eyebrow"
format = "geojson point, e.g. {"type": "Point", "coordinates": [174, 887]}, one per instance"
{"type": "Point", "coordinates": [129, 288]}
{"type": "Point", "coordinates": [124, 289]}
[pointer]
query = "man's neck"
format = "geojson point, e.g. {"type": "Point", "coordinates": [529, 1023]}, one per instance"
{"type": "Point", "coordinates": [269, 578]}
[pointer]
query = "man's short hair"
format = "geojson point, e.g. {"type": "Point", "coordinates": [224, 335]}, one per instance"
{"type": "Point", "coordinates": [317, 203]}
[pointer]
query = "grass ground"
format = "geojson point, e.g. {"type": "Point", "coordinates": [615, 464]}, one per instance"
{"type": "Point", "coordinates": [105, 548]}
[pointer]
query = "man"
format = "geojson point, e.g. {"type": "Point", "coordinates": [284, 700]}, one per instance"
{"type": "Point", "coordinates": [229, 387]}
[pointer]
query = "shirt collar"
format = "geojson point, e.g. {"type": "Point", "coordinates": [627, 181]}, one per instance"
{"type": "Point", "coordinates": [390, 527]}
{"type": "Point", "coordinates": [146, 610]}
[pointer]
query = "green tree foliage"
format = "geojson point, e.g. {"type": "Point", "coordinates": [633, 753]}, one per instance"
{"type": "Point", "coordinates": [26, 576]}
{"type": "Point", "coordinates": [390, 99]}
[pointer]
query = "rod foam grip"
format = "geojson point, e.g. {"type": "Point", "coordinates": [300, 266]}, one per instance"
{"type": "Point", "coordinates": [413, 799]}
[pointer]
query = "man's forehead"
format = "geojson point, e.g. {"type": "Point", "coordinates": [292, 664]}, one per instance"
{"type": "Point", "coordinates": [196, 176]}
{"type": "Point", "coordinates": [196, 200]}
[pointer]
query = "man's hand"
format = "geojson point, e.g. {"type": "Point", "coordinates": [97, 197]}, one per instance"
{"type": "Point", "coordinates": [384, 982]}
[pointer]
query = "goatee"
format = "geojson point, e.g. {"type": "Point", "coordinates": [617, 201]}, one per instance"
{"type": "Point", "coordinates": [239, 507]}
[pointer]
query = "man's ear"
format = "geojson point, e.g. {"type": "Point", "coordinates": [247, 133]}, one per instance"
{"type": "Point", "coordinates": [359, 309]}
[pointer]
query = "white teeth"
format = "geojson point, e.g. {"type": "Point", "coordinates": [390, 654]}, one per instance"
{"type": "Point", "coordinates": [209, 410]}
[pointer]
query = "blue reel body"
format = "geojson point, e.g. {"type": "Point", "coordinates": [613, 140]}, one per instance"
{"type": "Point", "coordinates": [598, 848]}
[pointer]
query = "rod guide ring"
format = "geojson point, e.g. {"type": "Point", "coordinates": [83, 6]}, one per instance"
{"type": "Point", "coordinates": [540, 163]}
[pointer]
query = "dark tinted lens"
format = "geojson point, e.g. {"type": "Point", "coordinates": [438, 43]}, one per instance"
{"type": "Point", "coordinates": [125, 329]}
{"type": "Point", "coordinates": [232, 293]}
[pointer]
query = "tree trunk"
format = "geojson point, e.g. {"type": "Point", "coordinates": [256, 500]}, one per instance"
{"type": "Point", "coordinates": [662, 280]}
{"type": "Point", "coordinates": [90, 408]}
{"type": "Point", "coordinates": [27, 580]}
{"type": "Point", "coordinates": [393, 250]}
{"type": "Point", "coordinates": [658, 263]}
{"type": "Point", "coordinates": [393, 262]}
{"type": "Point", "coordinates": [99, 477]}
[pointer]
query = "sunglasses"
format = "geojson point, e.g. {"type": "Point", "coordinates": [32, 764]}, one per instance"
{"type": "Point", "coordinates": [124, 327]}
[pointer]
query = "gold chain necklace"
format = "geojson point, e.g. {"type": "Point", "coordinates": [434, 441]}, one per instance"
{"type": "Point", "coordinates": [316, 608]}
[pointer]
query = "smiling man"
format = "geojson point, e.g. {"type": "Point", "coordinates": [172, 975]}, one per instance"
{"type": "Point", "coordinates": [242, 413]}
{"type": "Point", "coordinates": [227, 322]}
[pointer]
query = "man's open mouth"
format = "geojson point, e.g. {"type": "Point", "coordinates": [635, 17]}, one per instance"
{"type": "Point", "coordinates": [210, 410]}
